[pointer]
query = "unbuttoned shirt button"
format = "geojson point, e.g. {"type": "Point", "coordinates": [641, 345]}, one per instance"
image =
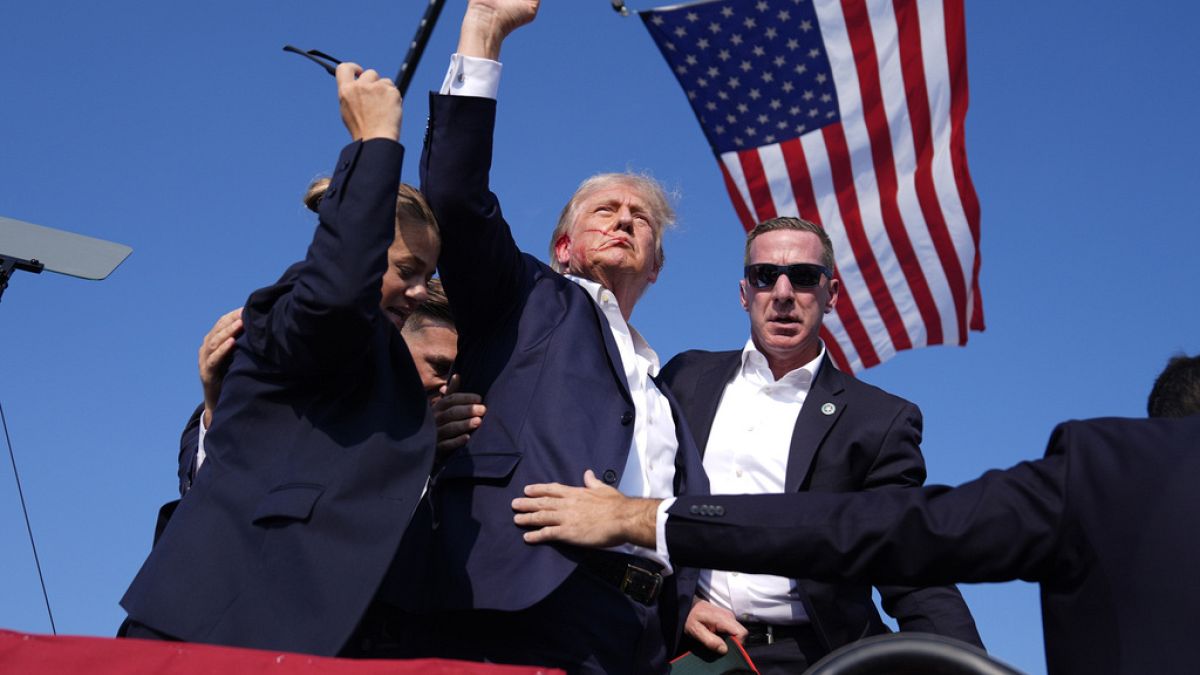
{"type": "Point", "coordinates": [610, 476]}
{"type": "Point", "coordinates": [626, 418]}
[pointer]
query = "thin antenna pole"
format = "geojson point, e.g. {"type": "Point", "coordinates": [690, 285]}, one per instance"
{"type": "Point", "coordinates": [28, 527]}
{"type": "Point", "coordinates": [417, 47]}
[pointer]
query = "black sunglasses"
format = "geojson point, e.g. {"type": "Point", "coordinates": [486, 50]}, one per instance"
{"type": "Point", "coordinates": [320, 58]}
{"type": "Point", "coordinates": [801, 275]}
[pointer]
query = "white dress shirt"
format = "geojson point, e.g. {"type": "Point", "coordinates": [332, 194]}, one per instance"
{"type": "Point", "coordinates": [747, 453]}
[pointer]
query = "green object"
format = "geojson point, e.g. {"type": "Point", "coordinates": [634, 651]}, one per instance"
{"type": "Point", "coordinates": [732, 662]}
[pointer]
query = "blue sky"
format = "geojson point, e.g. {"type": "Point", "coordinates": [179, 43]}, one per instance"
{"type": "Point", "coordinates": [183, 131]}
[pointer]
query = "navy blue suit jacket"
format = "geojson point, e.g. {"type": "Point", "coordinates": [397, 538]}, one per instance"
{"type": "Point", "coordinates": [1106, 523]}
{"type": "Point", "coordinates": [320, 446]}
{"type": "Point", "coordinates": [871, 441]}
{"type": "Point", "coordinates": [537, 348]}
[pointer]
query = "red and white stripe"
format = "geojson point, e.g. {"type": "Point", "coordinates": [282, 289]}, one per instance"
{"type": "Point", "coordinates": [889, 182]}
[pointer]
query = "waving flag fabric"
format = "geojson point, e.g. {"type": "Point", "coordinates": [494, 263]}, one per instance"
{"type": "Point", "coordinates": [848, 113]}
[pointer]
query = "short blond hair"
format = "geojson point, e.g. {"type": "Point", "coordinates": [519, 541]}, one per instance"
{"type": "Point", "coordinates": [411, 207]}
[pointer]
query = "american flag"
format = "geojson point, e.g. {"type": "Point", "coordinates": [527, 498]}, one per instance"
{"type": "Point", "coordinates": [848, 113]}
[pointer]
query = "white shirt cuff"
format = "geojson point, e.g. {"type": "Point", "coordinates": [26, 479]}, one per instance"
{"type": "Point", "coordinates": [200, 447]}
{"type": "Point", "coordinates": [660, 530]}
{"type": "Point", "coordinates": [472, 76]}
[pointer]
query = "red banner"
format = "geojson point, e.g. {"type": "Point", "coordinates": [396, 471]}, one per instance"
{"type": "Point", "coordinates": [47, 655]}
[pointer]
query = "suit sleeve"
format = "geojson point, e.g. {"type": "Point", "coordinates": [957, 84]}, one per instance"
{"type": "Point", "coordinates": [189, 445]}
{"type": "Point", "coordinates": [933, 609]}
{"type": "Point", "coordinates": [1002, 526]}
{"type": "Point", "coordinates": [321, 313]}
{"type": "Point", "coordinates": [480, 264]}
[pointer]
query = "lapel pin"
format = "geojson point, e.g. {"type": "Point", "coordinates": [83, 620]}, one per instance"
{"type": "Point", "coordinates": [828, 409]}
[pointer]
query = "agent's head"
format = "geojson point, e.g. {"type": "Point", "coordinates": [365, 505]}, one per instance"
{"type": "Point", "coordinates": [1176, 392]}
{"type": "Point", "coordinates": [432, 340]}
{"type": "Point", "coordinates": [787, 289]}
{"type": "Point", "coordinates": [412, 257]}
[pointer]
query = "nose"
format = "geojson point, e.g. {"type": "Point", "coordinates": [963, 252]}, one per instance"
{"type": "Point", "coordinates": [624, 221]}
{"type": "Point", "coordinates": [418, 292]}
{"type": "Point", "coordinates": [782, 291]}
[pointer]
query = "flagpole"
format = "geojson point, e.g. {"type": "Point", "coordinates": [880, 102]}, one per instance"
{"type": "Point", "coordinates": [417, 46]}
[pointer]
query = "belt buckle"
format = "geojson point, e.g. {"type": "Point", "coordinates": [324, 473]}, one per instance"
{"type": "Point", "coordinates": [641, 585]}
{"type": "Point", "coordinates": [760, 634]}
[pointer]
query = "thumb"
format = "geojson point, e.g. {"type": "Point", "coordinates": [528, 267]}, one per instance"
{"type": "Point", "coordinates": [452, 385]}
{"type": "Point", "coordinates": [590, 480]}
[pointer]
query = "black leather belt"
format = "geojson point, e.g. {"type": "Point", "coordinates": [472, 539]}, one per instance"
{"type": "Point", "coordinates": [636, 577]}
{"type": "Point", "coordinates": [767, 633]}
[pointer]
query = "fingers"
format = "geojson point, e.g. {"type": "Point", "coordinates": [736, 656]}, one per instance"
{"type": "Point", "coordinates": [707, 623]}
{"type": "Point", "coordinates": [460, 429]}
{"type": "Point", "coordinates": [216, 351]}
{"type": "Point", "coordinates": [346, 73]}
{"type": "Point", "coordinates": [548, 490]}
{"type": "Point", "coordinates": [447, 443]}
{"type": "Point", "coordinates": [701, 633]}
{"type": "Point", "coordinates": [542, 536]}
{"type": "Point", "coordinates": [371, 105]}
{"type": "Point", "coordinates": [458, 407]}
{"type": "Point", "coordinates": [457, 416]}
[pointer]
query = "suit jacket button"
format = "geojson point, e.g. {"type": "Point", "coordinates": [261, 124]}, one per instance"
{"type": "Point", "coordinates": [694, 510]}
{"type": "Point", "coordinates": [719, 510]}
{"type": "Point", "coordinates": [626, 418]}
{"type": "Point", "coordinates": [610, 476]}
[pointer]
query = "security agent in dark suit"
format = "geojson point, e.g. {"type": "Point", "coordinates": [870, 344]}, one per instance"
{"type": "Point", "coordinates": [322, 439]}
{"type": "Point", "coordinates": [568, 384]}
{"type": "Point", "coordinates": [1105, 523]}
{"type": "Point", "coordinates": [777, 416]}
{"type": "Point", "coordinates": [428, 331]}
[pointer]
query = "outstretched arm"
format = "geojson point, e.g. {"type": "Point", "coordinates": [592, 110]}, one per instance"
{"type": "Point", "coordinates": [487, 22]}
{"type": "Point", "coordinates": [595, 515]}
{"type": "Point", "coordinates": [319, 315]}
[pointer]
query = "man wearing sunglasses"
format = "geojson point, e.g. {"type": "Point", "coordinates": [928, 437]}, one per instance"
{"type": "Point", "coordinates": [777, 416]}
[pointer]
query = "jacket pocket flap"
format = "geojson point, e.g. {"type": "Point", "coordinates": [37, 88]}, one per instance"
{"type": "Point", "coordinates": [294, 501]}
{"type": "Point", "coordinates": [492, 466]}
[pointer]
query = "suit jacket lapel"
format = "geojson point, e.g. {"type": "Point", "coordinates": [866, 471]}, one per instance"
{"type": "Point", "coordinates": [814, 422]}
{"type": "Point", "coordinates": [610, 346]}
{"type": "Point", "coordinates": [701, 407]}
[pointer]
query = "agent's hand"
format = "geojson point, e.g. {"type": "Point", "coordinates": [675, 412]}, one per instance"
{"type": "Point", "coordinates": [216, 351]}
{"type": "Point", "coordinates": [487, 22]}
{"type": "Point", "coordinates": [458, 415]}
{"type": "Point", "coordinates": [707, 623]}
{"type": "Point", "coordinates": [371, 105]}
{"type": "Point", "coordinates": [595, 515]}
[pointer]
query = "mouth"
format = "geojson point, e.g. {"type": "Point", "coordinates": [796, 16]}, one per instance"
{"type": "Point", "coordinates": [785, 323]}
{"type": "Point", "coordinates": [616, 242]}
{"type": "Point", "coordinates": [398, 315]}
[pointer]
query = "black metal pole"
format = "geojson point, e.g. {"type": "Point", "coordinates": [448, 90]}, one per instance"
{"type": "Point", "coordinates": [9, 264]}
{"type": "Point", "coordinates": [417, 47]}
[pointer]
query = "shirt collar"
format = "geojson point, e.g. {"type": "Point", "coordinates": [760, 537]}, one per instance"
{"type": "Point", "coordinates": [754, 364]}
{"type": "Point", "coordinates": [608, 304]}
